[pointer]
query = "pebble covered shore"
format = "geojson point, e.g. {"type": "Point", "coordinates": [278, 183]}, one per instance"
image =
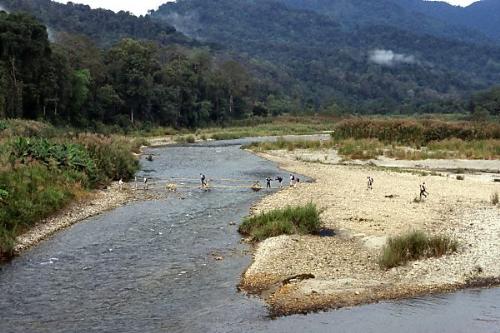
{"type": "Point", "coordinates": [344, 266]}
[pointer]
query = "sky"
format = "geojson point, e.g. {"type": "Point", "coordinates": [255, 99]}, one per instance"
{"type": "Point", "coordinates": [140, 7]}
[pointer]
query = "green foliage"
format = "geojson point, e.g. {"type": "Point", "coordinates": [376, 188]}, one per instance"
{"type": "Point", "coordinates": [103, 26]}
{"type": "Point", "coordinates": [132, 83]}
{"type": "Point", "coordinates": [310, 56]}
{"type": "Point", "coordinates": [112, 156]}
{"type": "Point", "coordinates": [413, 246]}
{"type": "Point", "coordinates": [45, 174]}
{"type": "Point", "coordinates": [289, 220]}
{"type": "Point", "coordinates": [35, 191]}
{"type": "Point", "coordinates": [64, 156]}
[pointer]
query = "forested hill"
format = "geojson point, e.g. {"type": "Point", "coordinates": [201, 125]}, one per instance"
{"type": "Point", "coordinates": [471, 23]}
{"type": "Point", "coordinates": [482, 15]}
{"type": "Point", "coordinates": [272, 56]}
{"type": "Point", "coordinates": [412, 15]}
{"type": "Point", "coordinates": [103, 26]}
{"type": "Point", "coordinates": [376, 68]}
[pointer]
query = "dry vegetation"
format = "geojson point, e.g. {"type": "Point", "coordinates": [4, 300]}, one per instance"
{"type": "Point", "coordinates": [363, 139]}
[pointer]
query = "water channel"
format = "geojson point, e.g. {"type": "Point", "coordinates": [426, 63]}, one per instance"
{"type": "Point", "coordinates": [150, 267]}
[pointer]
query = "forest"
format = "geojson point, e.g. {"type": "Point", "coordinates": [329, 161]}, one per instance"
{"type": "Point", "coordinates": [126, 74]}
{"type": "Point", "coordinates": [366, 68]}
{"type": "Point", "coordinates": [75, 82]}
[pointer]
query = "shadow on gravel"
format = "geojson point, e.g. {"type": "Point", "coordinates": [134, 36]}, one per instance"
{"type": "Point", "coordinates": [325, 232]}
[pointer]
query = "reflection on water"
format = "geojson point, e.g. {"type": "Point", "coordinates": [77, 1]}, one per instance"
{"type": "Point", "coordinates": [150, 267]}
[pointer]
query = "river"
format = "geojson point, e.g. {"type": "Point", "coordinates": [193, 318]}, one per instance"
{"type": "Point", "coordinates": [151, 267]}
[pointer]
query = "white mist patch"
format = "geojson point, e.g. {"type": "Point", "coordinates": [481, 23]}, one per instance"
{"type": "Point", "coordinates": [390, 58]}
{"type": "Point", "coordinates": [51, 35]}
{"type": "Point", "coordinates": [3, 8]}
{"type": "Point", "coordinates": [188, 23]}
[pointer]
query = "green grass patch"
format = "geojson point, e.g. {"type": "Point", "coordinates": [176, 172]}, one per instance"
{"type": "Point", "coordinates": [413, 246]}
{"type": "Point", "coordinates": [285, 221]}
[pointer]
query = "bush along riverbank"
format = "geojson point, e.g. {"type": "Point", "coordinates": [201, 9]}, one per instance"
{"type": "Point", "coordinates": [42, 170]}
{"type": "Point", "coordinates": [286, 221]}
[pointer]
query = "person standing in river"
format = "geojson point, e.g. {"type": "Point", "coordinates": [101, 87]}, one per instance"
{"type": "Point", "coordinates": [203, 180]}
{"type": "Point", "coordinates": [268, 182]}
{"type": "Point", "coordinates": [280, 181]}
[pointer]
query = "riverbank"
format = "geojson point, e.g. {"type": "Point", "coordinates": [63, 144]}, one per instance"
{"type": "Point", "coordinates": [91, 204]}
{"type": "Point", "coordinates": [342, 270]}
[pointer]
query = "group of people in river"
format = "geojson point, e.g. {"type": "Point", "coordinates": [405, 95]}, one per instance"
{"type": "Point", "coordinates": [294, 180]}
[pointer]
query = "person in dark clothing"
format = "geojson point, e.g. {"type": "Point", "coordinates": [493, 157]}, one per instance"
{"type": "Point", "coordinates": [423, 191]}
{"type": "Point", "coordinates": [280, 181]}
{"type": "Point", "coordinates": [203, 180]}
{"type": "Point", "coordinates": [370, 183]}
{"type": "Point", "coordinates": [268, 182]}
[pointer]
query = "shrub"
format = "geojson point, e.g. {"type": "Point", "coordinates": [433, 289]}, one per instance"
{"type": "Point", "coordinates": [413, 246]}
{"type": "Point", "coordinates": [185, 139]}
{"type": "Point", "coordinates": [494, 199]}
{"type": "Point", "coordinates": [288, 220]}
{"type": "Point", "coordinates": [112, 156]}
{"type": "Point", "coordinates": [460, 177]}
{"type": "Point", "coordinates": [68, 156]}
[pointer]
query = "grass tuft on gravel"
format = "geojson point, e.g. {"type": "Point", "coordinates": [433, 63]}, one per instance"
{"type": "Point", "coordinates": [494, 199]}
{"type": "Point", "coordinates": [413, 246]}
{"type": "Point", "coordinates": [285, 221]}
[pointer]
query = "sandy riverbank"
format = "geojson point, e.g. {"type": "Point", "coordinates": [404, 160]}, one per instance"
{"type": "Point", "coordinates": [345, 266]}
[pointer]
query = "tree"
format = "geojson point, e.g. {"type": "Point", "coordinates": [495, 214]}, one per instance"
{"type": "Point", "coordinates": [238, 83]}
{"type": "Point", "coordinates": [131, 65]}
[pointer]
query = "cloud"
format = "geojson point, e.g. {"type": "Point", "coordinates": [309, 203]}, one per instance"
{"type": "Point", "coordinates": [389, 58]}
{"type": "Point", "coordinates": [3, 8]}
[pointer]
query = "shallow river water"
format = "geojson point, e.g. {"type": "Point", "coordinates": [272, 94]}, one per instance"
{"type": "Point", "coordinates": [150, 267]}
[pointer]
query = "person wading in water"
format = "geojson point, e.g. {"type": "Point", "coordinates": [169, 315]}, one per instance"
{"type": "Point", "coordinates": [280, 181]}
{"type": "Point", "coordinates": [203, 180]}
{"type": "Point", "coordinates": [268, 182]}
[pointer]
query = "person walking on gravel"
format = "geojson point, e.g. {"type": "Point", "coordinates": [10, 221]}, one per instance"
{"type": "Point", "coordinates": [370, 183]}
{"type": "Point", "coordinates": [423, 191]}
